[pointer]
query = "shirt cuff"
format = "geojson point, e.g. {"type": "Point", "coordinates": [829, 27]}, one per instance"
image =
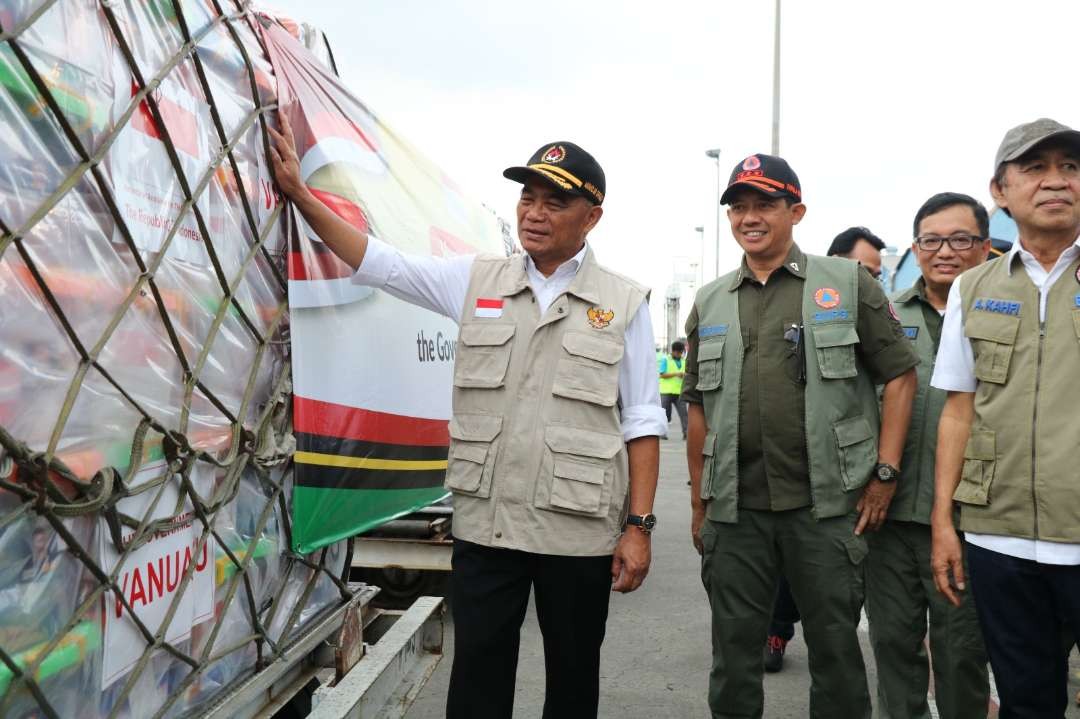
{"type": "Point", "coordinates": [643, 420]}
{"type": "Point", "coordinates": [379, 261]}
{"type": "Point", "coordinates": [953, 382]}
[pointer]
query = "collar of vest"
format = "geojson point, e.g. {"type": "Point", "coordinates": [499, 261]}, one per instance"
{"type": "Point", "coordinates": [583, 286]}
{"type": "Point", "coordinates": [795, 263]}
{"type": "Point", "coordinates": [915, 292]}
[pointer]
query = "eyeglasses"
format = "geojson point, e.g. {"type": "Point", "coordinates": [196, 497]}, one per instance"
{"type": "Point", "coordinates": [956, 242]}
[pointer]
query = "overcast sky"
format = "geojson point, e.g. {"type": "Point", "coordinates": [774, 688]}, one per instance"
{"type": "Point", "coordinates": [883, 104]}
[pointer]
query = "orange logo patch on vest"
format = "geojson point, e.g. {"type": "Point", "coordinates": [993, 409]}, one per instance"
{"type": "Point", "coordinates": [826, 298]}
{"type": "Point", "coordinates": [599, 318]}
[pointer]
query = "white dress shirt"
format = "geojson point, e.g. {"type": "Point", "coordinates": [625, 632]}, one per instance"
{"type": "Point", "coordinates": [440, 285]}
{"type": "Point", "coordinates": [955, 372]}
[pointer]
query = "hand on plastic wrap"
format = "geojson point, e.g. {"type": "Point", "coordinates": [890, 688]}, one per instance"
{"type": "Point", "coordinates": [285, 162]}
{"type": "Point", "coordinates": [633, 554]}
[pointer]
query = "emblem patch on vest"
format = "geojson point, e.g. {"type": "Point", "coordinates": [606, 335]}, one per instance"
{"type": "Point", "coordinates": [911, 332]}
{"type": "Point", "coordinates": [490, 308]}
{"type": "Point", "coordinates": [1001, 307]}
{"type": "Point", "coordinates": [826, 298]}
{"type": "Point", "coordinates": [710, 330]}
{"type": "Point", "coordinates": [599, 319]}
{"type": "Point", "coordinates": [1077, 300]}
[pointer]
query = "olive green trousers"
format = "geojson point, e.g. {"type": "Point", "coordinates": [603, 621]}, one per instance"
{"type": "Point", "coordinates": [899, 593]}
{"type": "Point", "coordinates": [823, 562]}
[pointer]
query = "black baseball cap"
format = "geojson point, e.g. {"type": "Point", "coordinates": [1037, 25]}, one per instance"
{"type": "Point", "coordinates": [768, 174]}
{"type": "Point", "coordinates": [566, 166]}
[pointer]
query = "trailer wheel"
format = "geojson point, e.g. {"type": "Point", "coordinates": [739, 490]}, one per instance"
{"type": "Point", "coordinates": [401, 586]}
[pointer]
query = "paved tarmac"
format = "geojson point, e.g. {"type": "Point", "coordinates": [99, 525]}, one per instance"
{"type": "Point", "coordinates": [656, 655]}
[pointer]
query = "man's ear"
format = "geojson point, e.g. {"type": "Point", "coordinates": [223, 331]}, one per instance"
{"type": "Point", "coordinates": [998, 194]}
{"type": "Point", "coordinates": [798, 211]}
{"type": "Point", "coordinates": [595, 213]}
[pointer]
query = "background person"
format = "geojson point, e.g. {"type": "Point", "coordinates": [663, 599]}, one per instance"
{"type": "Point", "coordinates": [863, 246]}
{"type": "Point", "coordinates": [1006, 454]}
{"type": "Point", "coordinates": [672, 368]}
{"type": "Point", "coordinates": [951, 234]}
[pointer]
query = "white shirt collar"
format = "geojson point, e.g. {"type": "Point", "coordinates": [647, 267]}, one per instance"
{"type": "Point", "coordinates": [571, 266]}
{"type": "Point", "coordinates": [1025, 256]}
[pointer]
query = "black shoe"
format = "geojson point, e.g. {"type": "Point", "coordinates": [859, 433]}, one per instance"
{"type": "Point", "coordinates": [774, 654]}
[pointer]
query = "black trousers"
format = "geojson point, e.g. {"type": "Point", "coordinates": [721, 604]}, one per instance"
{"type": "Point", "coordinates": [1023, 609]}
{"type": "Point", "coordinates": [784, 614]}
{"type": "Point", "coordinates": [489, 592]}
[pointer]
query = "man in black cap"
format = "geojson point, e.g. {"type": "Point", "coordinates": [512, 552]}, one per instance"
{"type": "Point", "coordinates": [790, 460]}
{"type": "Point", "coordinates": [554, 454]}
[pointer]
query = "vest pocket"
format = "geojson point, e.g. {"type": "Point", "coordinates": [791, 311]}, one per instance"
{"type": "Point", "coordinates": [711, 364]}
{"type": "Point", "coordinates": [707, 451]}
{"type": "Point", "coordinates": [858, 451]}
{"type": "Point", "coordinates": [472, 453]}
{"type": "Point", "coordinates": [578, 470]}
{"type": "Point", "coordinates": [483, 354]}
{"type": "Point", "coordinates": [835, 348]}
{"type": "Point", "coordinates": [980, 456]}
{"type": "Point", "coordinates": [993, 338]}
{"type": "Point", "coordinates": [591, 372]}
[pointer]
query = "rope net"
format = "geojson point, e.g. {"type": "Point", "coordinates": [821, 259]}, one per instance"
{"type": "Point", "coordinates": [145, 411]}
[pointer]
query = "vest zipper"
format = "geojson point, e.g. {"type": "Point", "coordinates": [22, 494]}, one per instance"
{"type": "Point", "coordinates": [1035, 415]}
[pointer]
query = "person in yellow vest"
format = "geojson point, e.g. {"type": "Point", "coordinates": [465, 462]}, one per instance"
{"type": "Point", "coordinates": [952, 235]}
{"type": "Point", "coordinates": [672, 368]}
{"type": "Point", "coordinates": [1009, 360]}
{"type": "Point", "coordinates": [553, 454]}
{"type": "Point", "coordinates": [790, 459]}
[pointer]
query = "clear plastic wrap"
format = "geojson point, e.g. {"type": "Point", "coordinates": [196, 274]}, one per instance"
{"type": "Point", "coordinates": [145, 415]}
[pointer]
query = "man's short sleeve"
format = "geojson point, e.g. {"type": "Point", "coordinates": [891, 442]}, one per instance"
{"type": "Point", "coordinates": [690, 392]}
{"type": "Point", "coordinates": [883, 348]}
{"type": "Point", "coordinates": [954, 370]}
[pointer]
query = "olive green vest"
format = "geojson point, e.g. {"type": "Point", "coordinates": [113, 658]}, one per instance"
{"type": "Point", "coordinates": [842, 420]}
{"type": "Point", "coordinates": [537, 458]}
{"type": "Point", "coordinates": [914, 496]}
{"type": "Point", "coordinates": [1020, 475]}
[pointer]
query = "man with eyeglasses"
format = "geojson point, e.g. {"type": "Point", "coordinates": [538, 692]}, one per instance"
{"type": "Point", "coordinates": [951, 233]}
{"type": "Point", "coordinates": [1007, 439]}
{"type": "Point", "coordinates": [861, 245]}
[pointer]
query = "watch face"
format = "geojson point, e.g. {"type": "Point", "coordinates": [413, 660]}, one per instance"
{"type": "Point", "coordinates": [649, 521]}
{"type": "Point", "coordinates": [885, 473]}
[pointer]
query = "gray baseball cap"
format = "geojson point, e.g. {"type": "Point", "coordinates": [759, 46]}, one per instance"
{"type": "Point", "coordinates": [1022, 138]}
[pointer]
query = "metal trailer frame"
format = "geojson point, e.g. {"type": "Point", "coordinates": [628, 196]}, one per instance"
{"type": "Point", "coordinates": [359, 679]}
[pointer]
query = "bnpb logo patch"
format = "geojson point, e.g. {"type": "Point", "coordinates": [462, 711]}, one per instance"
{"type": "Point", "coordinates": [826, 298]}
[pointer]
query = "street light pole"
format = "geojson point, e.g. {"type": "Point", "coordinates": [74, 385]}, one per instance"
{"type": "Point", "coordinates": [715, 154]}
{"type": "Point", "coordinates": [776, 84]}
{"type": "Point", "coordinates": [700, 229]}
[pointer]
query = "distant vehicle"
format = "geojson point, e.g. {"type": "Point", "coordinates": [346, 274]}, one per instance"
{"type": "Point", "coordinates": [1003, 234]}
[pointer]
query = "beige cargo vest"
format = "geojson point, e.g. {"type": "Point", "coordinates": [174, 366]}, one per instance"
{"type": "Point", "coordinates": [537, 459]}
{"type": "Point", "coordinates": [1020, 476]}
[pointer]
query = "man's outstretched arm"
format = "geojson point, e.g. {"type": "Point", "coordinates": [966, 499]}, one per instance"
{"type": "Point", "coordinates": [344, 240]}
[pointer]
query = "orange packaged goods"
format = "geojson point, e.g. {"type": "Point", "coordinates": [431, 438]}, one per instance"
{"type": "Point", "coordinates": [145, 410]}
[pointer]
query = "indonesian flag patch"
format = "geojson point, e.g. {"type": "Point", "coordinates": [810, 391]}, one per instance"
{"type": "Point", "coordinates": [488, 307]}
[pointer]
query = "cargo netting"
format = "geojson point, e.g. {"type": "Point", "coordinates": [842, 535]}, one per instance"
{"type": "Point", "coordinates": [146, 444]}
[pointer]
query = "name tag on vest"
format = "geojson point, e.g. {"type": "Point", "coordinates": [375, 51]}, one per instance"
{"type": "Point", "coordinates": [830, 315]}
{"type": "Point", "coordinates": [911, 332]}
{"type": "Point", "coordinates": [1001, 307]}
{"type": "Point", "coordinates": [712, 330]}
{"type": "Point", "coordinates": [488, 308]}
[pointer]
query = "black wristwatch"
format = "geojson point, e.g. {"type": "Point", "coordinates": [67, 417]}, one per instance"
{"type": "Point", "coordinates": [885, 472]}
{"type": "Point", "coordinates": [645, 522]}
